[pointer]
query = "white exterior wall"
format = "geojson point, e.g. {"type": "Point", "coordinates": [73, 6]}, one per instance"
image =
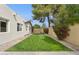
{"type": "Point", "coordinates": [29, 28]}
{"type": "Point", "coordinates": [12, 33]}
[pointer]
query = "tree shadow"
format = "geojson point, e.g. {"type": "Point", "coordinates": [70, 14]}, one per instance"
{"type": "Point", "coordinates": [49, 40]}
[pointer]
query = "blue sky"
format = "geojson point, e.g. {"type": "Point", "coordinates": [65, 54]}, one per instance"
{"type": "Point", "coordinates": [24, 10]}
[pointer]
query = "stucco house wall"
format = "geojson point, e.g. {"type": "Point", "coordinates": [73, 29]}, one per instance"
{"type": "Point", "coordinates": [73, 37]}
{"type": "Point", "coordinates": [12, 33]}
{"type": "Point", "coordinates": [28, 27]}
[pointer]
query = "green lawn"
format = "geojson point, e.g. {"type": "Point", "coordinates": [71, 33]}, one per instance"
{"type": "Point", "coordinates": [39, 43]}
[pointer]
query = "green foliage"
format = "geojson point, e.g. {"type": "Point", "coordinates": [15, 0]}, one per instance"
{"type": "Point", "coordinates": [64, 16]}
{"type": "Point", "coordinates": [67, 15]}
{"type": "Point", "coordinates": [38, 12]}
{"type": "Point", "coordinates": [73, 14]}
{"type": "Point", "coordinates": [42, 11]}
{"type": "Point", "coordinates": [36, 26]}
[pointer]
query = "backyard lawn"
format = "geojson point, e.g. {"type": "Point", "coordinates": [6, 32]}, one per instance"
{"type": "Point", "coordinates": [39, 43]}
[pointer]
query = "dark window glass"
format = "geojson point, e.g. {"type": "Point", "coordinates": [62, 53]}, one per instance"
{"type": "Point", "coordinates": [19, 27]}
{"type": "Point", "coordinates": [3, 26]}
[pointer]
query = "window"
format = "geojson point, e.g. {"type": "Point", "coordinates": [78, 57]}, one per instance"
{"type": "Point", "coordinates": [19, 27]}
{"type": "Point", "coordinates": [3, 26]}
{"type": "Point", "coordinates": [26, 27]}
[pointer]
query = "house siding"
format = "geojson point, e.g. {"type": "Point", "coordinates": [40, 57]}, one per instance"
{"type": "Point", "coordinates": [12, 32]}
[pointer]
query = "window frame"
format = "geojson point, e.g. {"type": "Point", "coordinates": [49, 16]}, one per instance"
{"type": "Point", "coordinates": [19, 27]}
{"type": "Point", "coordinates": [6, 21]}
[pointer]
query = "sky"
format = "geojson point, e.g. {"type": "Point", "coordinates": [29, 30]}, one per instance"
{"type": "Point", "coordinates": [25, 11]}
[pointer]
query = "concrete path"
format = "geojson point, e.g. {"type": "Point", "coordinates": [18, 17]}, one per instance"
{"type": "Point", "coordinates": [7, 45]}
{"type": "Point", "coordinates": [40, 53]}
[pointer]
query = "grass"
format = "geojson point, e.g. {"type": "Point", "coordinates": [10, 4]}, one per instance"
{"type": "Point", "coordinates": [39, 43]}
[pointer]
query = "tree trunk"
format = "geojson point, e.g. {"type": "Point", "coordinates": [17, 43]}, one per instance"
{"type": "Point", "coordinates": [48, 21]}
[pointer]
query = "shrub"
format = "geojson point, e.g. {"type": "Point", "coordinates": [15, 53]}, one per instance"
{"type": "Point", "coordinates": [62, 32]}
{"type": "Point", "coordinates": [36, 26]}
{"type": "Point", "coordinates": [46, 30]}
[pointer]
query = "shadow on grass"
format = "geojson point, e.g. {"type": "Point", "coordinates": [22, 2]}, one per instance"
{"type": "Point", "coordinates": [49, 40]}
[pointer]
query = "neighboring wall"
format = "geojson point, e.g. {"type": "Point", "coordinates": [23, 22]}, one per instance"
{"type": "Point", "coordinates": [38, 30]}
{"type": "Point", "coordinates": [74, 35]}
{"type": "Point", "coordinates": [12, 33]}
{"type": "Point", "coordinates": [50, 31]}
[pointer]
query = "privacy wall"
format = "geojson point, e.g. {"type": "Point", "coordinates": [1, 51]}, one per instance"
{"type": "Point", "coordinates": [73, 37]}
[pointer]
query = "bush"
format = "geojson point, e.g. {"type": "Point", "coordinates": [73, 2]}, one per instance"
{"type": "Point", "coordinates": [46, 30]}
{"type": "Point", "coordinates": [36, 26]}
{"type": "Point", "coordinates": [62, 32]}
